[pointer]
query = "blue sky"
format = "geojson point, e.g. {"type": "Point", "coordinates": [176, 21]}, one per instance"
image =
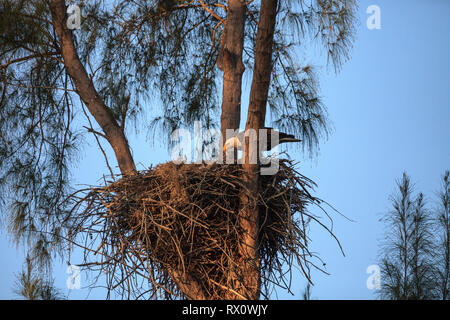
{"type": "Point", "coordinates": [390, 107]}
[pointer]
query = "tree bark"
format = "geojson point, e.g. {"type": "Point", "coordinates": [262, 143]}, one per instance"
{"type": "Point", "coordinates": [187, 285]}
{"type": "Point", "coordinates": [263, 65]}
{"type": "Point", "coordinates": [249, 218]}
{"type": "Point", "coordinates": [230, 62]}
{"type": "Point", "coordinates": [87, 92]}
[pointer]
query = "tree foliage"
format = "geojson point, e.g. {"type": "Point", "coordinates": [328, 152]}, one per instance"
{"type": "Point", "coordinates": [37, 138]}
{"type": "Point", "coordinates": [442, 230]}
{"type": "Point", "coordinates": [414, 255]}
{"type": "Point", "coordinates": [31, 284]}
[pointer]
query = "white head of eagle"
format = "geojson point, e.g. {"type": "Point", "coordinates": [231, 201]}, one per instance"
{"type": "Point", "coordinates": [237, 142]}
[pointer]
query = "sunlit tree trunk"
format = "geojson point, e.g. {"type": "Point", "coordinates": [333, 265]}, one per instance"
{"type": "Point", "coordinates": [230, 62]}
{"type": "Point", "coordinates": [249, 220]}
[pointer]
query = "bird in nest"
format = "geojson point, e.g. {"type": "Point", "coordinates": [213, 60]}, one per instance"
{"type": "Point", "coordinates": [237, 141]}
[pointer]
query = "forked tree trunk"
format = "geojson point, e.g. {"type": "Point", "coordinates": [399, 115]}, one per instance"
{"type": "Point", "coordinates": [249, 220]}
{"type": "Point", "coordinates": [233, 68]}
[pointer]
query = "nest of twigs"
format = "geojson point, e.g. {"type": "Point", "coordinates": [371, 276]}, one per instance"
{"type": "Point", "coordinates": [185, 216]}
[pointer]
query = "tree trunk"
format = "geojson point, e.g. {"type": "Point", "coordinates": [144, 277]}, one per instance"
{"type": "Point", "coordinates": [87, 92]}
{"type": "Point", "coordinates": [187, 285]}
{"type": "Point", "coordinates": [263, 65]}
{"type": "Point", "coordinates": [249, 220]}
{"type": "Point", "coordinates": [230, 62]}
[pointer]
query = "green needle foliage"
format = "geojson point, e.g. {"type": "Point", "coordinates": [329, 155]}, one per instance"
{"type": "Point", "coordinates": [414, 257]}
{"type": "Point", "coordinates": [33, 285]}
{"type": "Point", "coordinates": [405, 264]}
{"type": "Point", "coordinates": [37, 139]}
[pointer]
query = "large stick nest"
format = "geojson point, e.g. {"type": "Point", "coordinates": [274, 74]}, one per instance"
{"type": "Point", "coordinates": [185, 217]}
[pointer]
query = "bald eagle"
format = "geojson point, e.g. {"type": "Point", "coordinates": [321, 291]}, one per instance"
{"type": "Point", "coordinates": [237, 141]}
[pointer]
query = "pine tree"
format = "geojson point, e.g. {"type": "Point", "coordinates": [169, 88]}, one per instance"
{"type": "Point", "coordinates": [407, 271]}
{"type": "Point", "coordinates": [307, 292]}
{"type": "Point", "coordinates": [128, 53]}
{"type": "Point", "coordinates": [32, 284]}
{"type": "Point", "coordinates": [443, 239]}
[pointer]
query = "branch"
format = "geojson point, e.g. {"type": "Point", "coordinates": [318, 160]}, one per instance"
{"type": "Point", "coordinates": [95, 132]}
{"type": "Point", "coordinates": [212, 13]}
{"type": "Point", "coordinates": [32, 56]}
{"type": "Point", "coordinates": [87, 92]}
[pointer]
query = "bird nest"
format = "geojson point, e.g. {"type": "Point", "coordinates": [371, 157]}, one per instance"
{"type": "Point", "coordinates": [186, 217]}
